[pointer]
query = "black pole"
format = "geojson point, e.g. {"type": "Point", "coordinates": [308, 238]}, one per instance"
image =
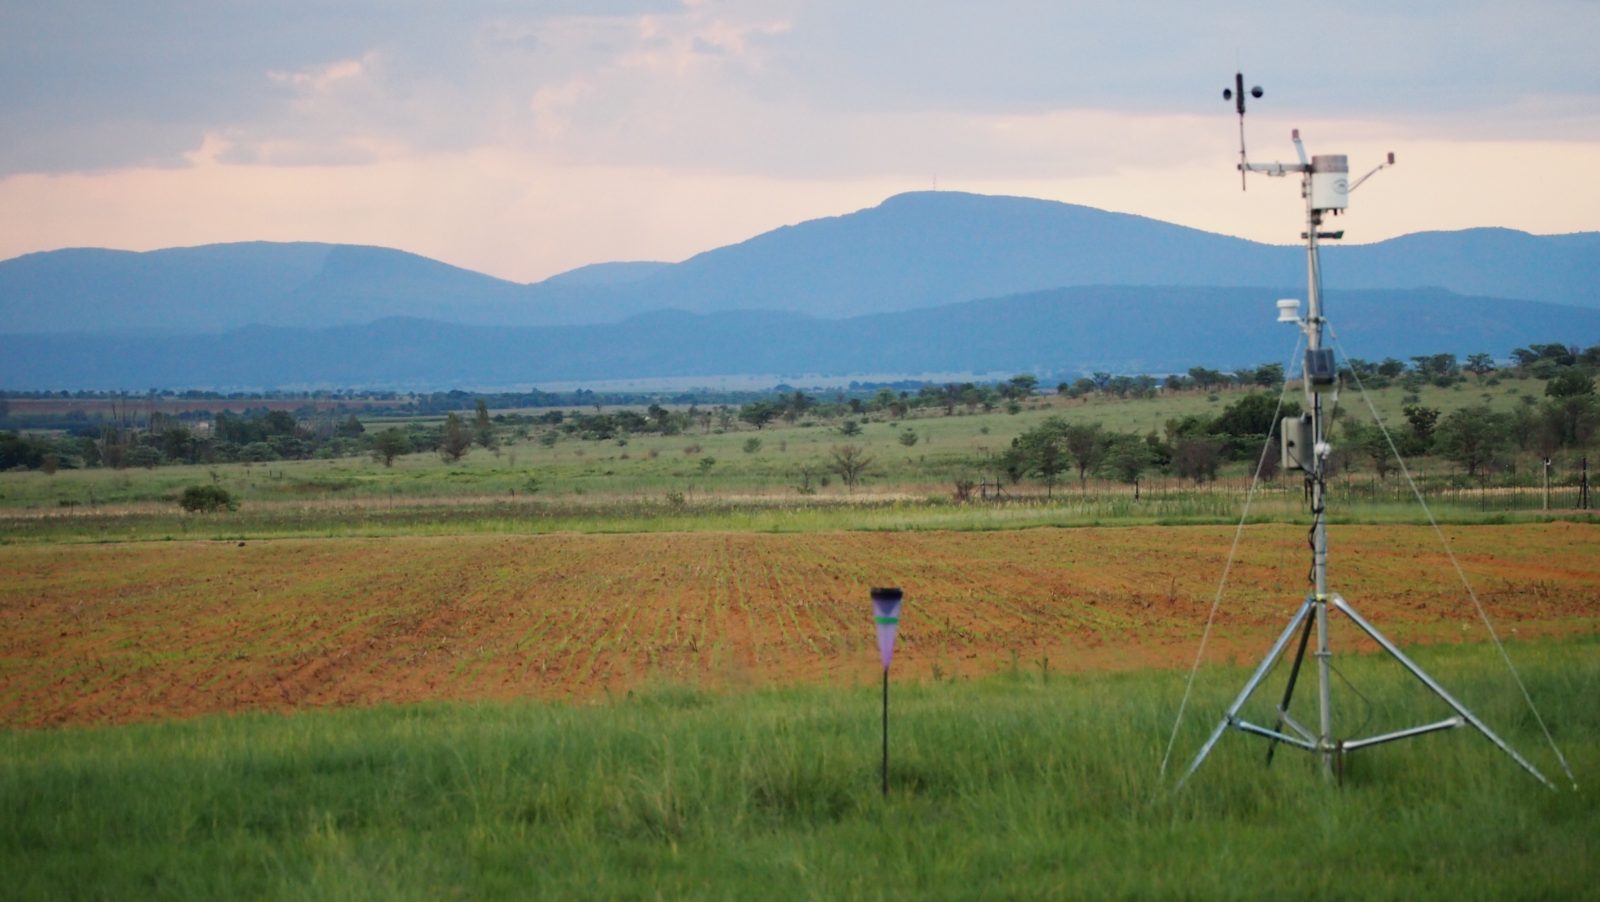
{"type": "Point", "coordinates": [1583, 490]}
{"type": "Point", "coordinates": [1294, 676]}
{"type": "Point", "coordinates": [886, 732]}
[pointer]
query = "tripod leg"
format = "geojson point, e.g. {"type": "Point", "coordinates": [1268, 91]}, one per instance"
{"type": "Point", "coordinates": [1288, 691]}
{"type": "Point", "coordinates": [1416, 671]}
{"type": "Point", "coordinates": [1249, 688]}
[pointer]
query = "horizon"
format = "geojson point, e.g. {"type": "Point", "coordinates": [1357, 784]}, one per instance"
{"type": "Point", "coordinates": [601, 263]}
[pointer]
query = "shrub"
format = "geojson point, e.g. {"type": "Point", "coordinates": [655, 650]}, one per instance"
{"type": "Point", "coordinates": [207, 499]}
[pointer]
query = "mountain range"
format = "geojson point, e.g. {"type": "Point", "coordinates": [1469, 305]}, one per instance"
{"type": "Point", "coordinates": [1059, 331]}
{"type": "Point", "coordinates": [924, 282]}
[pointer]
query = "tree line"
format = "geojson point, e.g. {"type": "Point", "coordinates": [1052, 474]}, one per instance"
{"type": "Point", "coordinates": [1476, 439]}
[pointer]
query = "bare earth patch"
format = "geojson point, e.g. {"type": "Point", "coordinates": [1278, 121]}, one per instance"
{"type": "Point", "coordinates": [117, 633]}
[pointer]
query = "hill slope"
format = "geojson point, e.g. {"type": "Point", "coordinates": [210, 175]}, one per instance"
{"type": "Point", "coordinates": [226, 286]}
{"type": "Point", "coordinates": [1062, 331]}
{"type": "Point", "coordinates": [913, 251]}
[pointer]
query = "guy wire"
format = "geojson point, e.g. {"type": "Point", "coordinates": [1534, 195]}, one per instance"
{"type": "Point", "coordinates": [1233, 550]}
{"type": "Point", "coordinates": [1483, 614]}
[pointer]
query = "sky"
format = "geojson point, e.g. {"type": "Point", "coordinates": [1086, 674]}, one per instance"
{"type": "Point", "coordinates": [523, 139]}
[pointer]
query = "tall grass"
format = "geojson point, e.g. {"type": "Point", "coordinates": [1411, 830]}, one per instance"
{"type": "Point", "coordinates": [674, 513]}
{"type": "Point", "coordinates": [1027, 784]}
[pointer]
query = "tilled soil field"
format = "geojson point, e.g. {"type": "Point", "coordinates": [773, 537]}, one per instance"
{"type": "Point", "coordinates": [124, 632]}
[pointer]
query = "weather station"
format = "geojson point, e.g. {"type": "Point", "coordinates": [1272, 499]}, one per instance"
{"type": "Point", "coordinates": [1305, 446]}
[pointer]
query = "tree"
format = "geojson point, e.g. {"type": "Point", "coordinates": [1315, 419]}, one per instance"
{"type": "Point", "coordinates": [1205, 379]}
{"type": "Point", "coordinates": [178, 444]}
{"type": "Point", "coordinates": [1432, 365]}
{"type": "Point", "coordinates": [206, 499]}
{"type": "Point", "coordinates": [1253, 417]}
{"type": "Point", "coordinates": [1473, 437]}
{"type": "Point", "coordinates": [949, 397]}
{"type": "Point", "coordinates": [1127, 456]}
{"type": "Point", "coordinates": [1391, 367]}
{"type": "Point", "coordinates": [1048, 462]}
{"type": "Point", "coordinates": [1196, 457]}
{"type": "Point", "coordinates": [1013, 462]}
{"type": "Point", "coordinates": [1087, 445]}
{"type": "Point", "coordinates": [793, 406]}
{"type": "Point", "coordinates": [1360, 368]}
{"type": "Point", "coordinates": [482, 428]}
{"type": "Point", "coordinates": [1557, 354]}
{"type": "Point", "coordinates": [1021, 385]}
{"type": "Point", "coordinates": [1480, 365]}
{"type": "Point", "coordinates": [456, 440]}
{"type": "Point", "coordinates": [1038, 452]}
{"type": "Point", "coordinates": [389, 444]}
{"type": "Point", "coordinates": [1569, 383]}
{"type": "Point", "coordinates": [351, 427]}
{"type": "Point", "coordinates": [1571, 421]}
{"type": "Point", "coordinates": [851, 462]}
{"type": "Point", "coordinates": [1080, 387]}
{"type": "Point", "coordinates": [758, 413]}
{"type": "Point", "coordinates": [255, 452]}
{"type": "Point", "coordinates": [1422, 421]}
{"type": "Point", "coordinates": [278, 422]}
{"type": "Point", "coordinates": [1369, 441]}
{"type": "Point", "coordinates": [17, 450]}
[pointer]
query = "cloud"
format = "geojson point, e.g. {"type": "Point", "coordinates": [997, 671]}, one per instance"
{"type": "Point", "coordinates": [516, 136]}
{"type": "Point", "coordinates": [320, 80]}
{"type": "Point", "coordinates": [105, 84]}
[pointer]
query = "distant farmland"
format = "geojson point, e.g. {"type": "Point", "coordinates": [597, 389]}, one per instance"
{"type": "Point", "coordinates": [138, 631]}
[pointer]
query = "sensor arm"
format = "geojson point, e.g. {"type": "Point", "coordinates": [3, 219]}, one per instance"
{"type": "Point", "coordinates": [1275, 168]}
{"type": "Point", "coordinates": [1374, 171]}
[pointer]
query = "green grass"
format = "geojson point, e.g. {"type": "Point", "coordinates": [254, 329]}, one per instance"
{"type": "Point", "coordinates": [656, 483]}
{"type": "Point", "coordinates": [833, 512]}
{"type": "Point", "coordinates": [947, 447]}
{"type": "Point", "coordinates": [1013, 786]}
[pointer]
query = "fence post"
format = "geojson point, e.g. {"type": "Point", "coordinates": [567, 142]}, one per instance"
{"type": "Point", "coordinates": [1583, 486]}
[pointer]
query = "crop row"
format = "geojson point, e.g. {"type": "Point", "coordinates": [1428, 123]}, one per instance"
{"type": "Point", "coordinates": [110, 633]}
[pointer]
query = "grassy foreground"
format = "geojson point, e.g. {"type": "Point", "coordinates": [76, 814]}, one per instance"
{"type": "Point", "coordinates": [1015, 785]}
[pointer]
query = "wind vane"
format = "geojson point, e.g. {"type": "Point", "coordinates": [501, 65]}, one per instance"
{"type": "Point", "coordinates": [1236, 94]}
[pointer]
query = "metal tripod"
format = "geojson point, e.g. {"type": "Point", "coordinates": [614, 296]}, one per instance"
{"type": "Point", "coordinates": [1325, 187]}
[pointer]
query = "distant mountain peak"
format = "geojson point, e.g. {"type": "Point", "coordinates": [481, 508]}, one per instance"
{"type": "Point", "coordinates": [914, 250]}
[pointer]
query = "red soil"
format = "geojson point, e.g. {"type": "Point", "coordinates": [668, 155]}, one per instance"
{"type": "Point", "coordinates": [116, 633]}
